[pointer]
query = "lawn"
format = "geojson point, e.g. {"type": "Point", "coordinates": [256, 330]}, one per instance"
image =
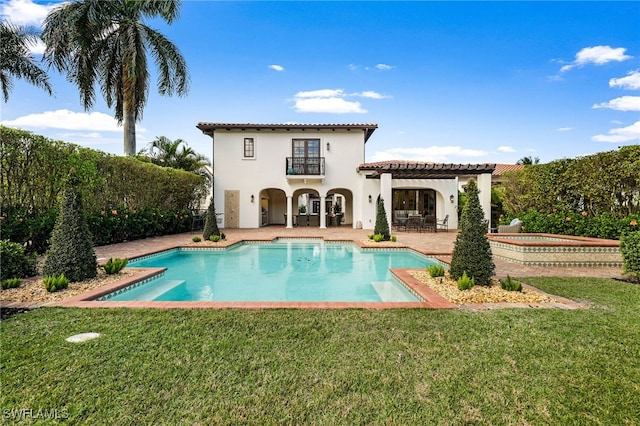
{"type": "Point", "coordinates": [508, 366]}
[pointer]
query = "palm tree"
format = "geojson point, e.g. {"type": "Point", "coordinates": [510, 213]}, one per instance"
{"type": "Point", "coordinates": [167, 153]}
{"type": "Point", "coordinates": [528, 161]}
{"type": "Point", "coordinates": [16, 60]}
{"type": "Point", "coordinates": [106, 43]}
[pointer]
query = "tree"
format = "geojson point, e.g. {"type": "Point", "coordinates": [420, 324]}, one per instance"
{"type": "Point", "coordinates": [16, 60]}
{"type": "Point", "coordinates": [471, 250]}
{"type": "Point", "coordinates": [106, 43]}
{"type": "Point", "coordinates": [167, 153]}
{"type": "Point", "coordinates": [210, 222]}
{"type": "Point", "coordinates": [71, 252]}
{"type": "Point", "coordinates": [528, 161]}
{"type": "Point", "coordinates": [382, 225]}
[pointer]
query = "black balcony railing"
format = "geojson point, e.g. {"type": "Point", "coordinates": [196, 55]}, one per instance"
{"type": "Point", "coordinates": [308, 166]}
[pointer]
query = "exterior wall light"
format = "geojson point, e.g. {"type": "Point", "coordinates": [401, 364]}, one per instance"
{"type": "Point", "coordinates": [328, 146]}
{"type": "Point", "coordinates": [253, 198]}
{"type": "Point", "coordinates": [452, 198]}
{"type": "Point", "coordinates": [370, 199]}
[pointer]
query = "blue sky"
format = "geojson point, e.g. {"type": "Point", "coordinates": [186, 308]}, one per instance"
{"type": "Point", "coordinates": [459, 82]}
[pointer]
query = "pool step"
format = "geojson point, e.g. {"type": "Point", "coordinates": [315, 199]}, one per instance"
{"type": "Point", "coordinates": [389, 292]}
{"type": "Point", "coordinates": [160, 289]}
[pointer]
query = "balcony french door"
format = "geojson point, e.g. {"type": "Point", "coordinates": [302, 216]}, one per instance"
{"type": "Point", "coordinates": [306, 156]}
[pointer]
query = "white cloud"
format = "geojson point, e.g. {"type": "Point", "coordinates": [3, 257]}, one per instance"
{"type": "Point", "coordinates": [276, 67]}
{"type": "Point", "coordinates": [598, 55]}
{"type": "Point", "coordinates": [631, 81]}
{"type": "Point", "coordinates": [332, 101]}
{"type": "Point", "coordinates": [564, 129]}
{"type": "Point", "coordinates": [370, 94]}
{"type": "Point", "coordinates": [67, 120]}
{"type": "Point", "coordinates": [435, 154]}
{"type": "Point", "coordinates": [624, 103]}
{"type": "Point", "coordinates": [384, 67]}
{"type": "Point", "coordinates": [330, 105]}
{"type": "Point", "coordinates": [621, 134]}
{"type": "Point", "coordinates": [506, 149]}
{"type": "Point", "coordinates": [25, 12]}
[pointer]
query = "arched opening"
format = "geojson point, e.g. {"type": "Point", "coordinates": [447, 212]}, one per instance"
{"type": "Point", "coordinates": [273, 207]}
{"type": "Point", "coordinates": [306, 207]}
{"type": "Point", "coordinates": [339, 207]}
{"type": "Point", "coordinates": [414, 201]}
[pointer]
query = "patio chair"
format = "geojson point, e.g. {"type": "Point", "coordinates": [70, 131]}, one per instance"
{"type": "Point", "coordinates": [513, 228]}
{"type": "Point", "coordinates": [198, 218]}
{"type": "Point", "coordinates": [414, 222]}
{"type": "Point", "coordinates": [443, 224]}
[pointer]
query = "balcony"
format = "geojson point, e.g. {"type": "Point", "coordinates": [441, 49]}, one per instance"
{"type": "Point", "coordinates": [305, 168]}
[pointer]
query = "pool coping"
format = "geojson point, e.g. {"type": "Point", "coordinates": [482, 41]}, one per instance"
{"type": "Point", "coordinates": [431, 299]}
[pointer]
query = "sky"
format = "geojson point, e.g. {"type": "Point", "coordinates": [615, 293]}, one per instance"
{"type": "Point", "coordinates": [451, 82]}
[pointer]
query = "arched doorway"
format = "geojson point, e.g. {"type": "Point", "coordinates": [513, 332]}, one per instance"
{"type": "Point", "coordinates": [339, 207]}
{"type": "Point", "coordinates": [273, 207]}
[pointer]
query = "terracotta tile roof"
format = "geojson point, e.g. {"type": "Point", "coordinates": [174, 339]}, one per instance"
{"type": "Point", "coordinates": [501, 168]}
{"type": "Point", "coordinates": [208, 128]}
{"type": "Point", "coordinates": [423, 170]}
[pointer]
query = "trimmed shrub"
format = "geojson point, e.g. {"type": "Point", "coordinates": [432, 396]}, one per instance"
{"type": "Point", "coordinates": [436, 271]}
{"type": "Point", "coordinates": [15, 262]}
{"type": "Point", "coordinates": [630, 249]}
{"type": "Point", "coordinates": [71, 253]}
{"type": "Point", "coordinates": [11, 283]}
{"type": "Point", "coordinates": [510, 284]}
{"type": "Point", "coordinates": [471, 250]}
{"type": "Point", "coordinates": [394, 239]}
{"type": "Point", "coordinates": [196, 239]}
{"type": "Point", "coordinates": [382, 225]}
{"type": "Point", "coordinates": [114, 266]}
{"type": "Point", "coordinates": [214, 238]}
{"type": "Point", "coordinates": [54, 283]}
{"type": "Point", "coordinates": [465, 283]}
{"type": "Point", "coordinates": [210, 222]}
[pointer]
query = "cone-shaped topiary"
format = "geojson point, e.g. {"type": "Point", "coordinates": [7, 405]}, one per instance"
{"type": "Point", "coordinates": [210, 223]}
{"type": "Point", "coordinates": [71, 252]}
{"type": "Point", "coordinates": [471, 250]}
{"type": "Point", "coordinates": [382, 225]}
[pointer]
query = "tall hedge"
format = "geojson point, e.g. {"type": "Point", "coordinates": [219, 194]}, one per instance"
{"type": "Point", "coordinates": [471, 250]}
{"type": "Point", "coordinates": [153, 200]}
{"type": "Point", "coordinates": [603, 183]}
{"type": "Point", "coordinates": [630, 249]}
{"type": "Point", "coordinates": [71, 252]}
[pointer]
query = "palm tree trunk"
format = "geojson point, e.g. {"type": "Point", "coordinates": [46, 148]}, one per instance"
{"type": "Point", "coordinates": [129, 129]}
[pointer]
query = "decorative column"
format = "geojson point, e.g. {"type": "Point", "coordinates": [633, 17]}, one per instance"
{"type": "Point", "coordinates": [289, 211]}
{"type": "Point", "coordinates": [323, 212]}
{"type": "Point", "coordinates": [385, 193]}
{"type": "Point", "coordinates": [484, 186]}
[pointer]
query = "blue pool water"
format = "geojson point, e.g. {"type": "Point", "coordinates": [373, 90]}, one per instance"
{"type": "Point", "coordinates": [283, 271]}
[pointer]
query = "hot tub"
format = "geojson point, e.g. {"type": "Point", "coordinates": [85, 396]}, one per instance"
{"type": "Point", "coordinates": [556, 250]}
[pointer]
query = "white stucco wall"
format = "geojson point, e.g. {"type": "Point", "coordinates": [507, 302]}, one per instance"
{"type": "Point", "coordinates": [268, 168]}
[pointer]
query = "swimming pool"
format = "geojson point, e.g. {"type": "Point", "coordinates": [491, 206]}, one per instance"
{"type": "Point", "coordinates": [284, 270]}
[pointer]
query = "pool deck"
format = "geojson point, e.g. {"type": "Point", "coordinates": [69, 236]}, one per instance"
{"type": "Point", "coordinates": [438, 244]}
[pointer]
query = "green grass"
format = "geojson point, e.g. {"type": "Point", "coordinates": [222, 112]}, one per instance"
{"type": "Point", "coordinates": [510, 366]}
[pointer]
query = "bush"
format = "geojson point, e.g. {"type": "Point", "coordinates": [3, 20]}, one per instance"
{"type": "Point", "coordinates": [393, 239]}
{"type": "Point", "coordinates": [71, 253]}
{"type": "Point", "coordinates": [630, 249]}
{"type": "Point", "coordinates": [196, 239]}
{"type": "Point", "coordinates": [436, 270]}
{"type": "Point", "coordinates": [214, 238]}
{"type": "Point", "coordinates": [11, 283]}
{"type": "Point", "coordinates": [223, 236]}
{"type": "Point", "coordinates": [510, 284]}
{"type": "Point", "coordinates": [15, 262]}
{"type": "Point", "coordinates": [382, 225]}
{"type": "Point", "coordinates": [465, 283]}
{"type": "Point", "coordinates": [378, 237]}
{"type": "Point", "coordinates": [114, 266]}
{"type": "Point", "coordinates": [54, 283]}
{"type": "Point", "coordinates": [471, 250]}
{"type": "Point", "coordinates": [210, 222]}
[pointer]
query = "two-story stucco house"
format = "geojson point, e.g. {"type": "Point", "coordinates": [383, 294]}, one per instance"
{"type": "Point", "coordinates": [315, 175]}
